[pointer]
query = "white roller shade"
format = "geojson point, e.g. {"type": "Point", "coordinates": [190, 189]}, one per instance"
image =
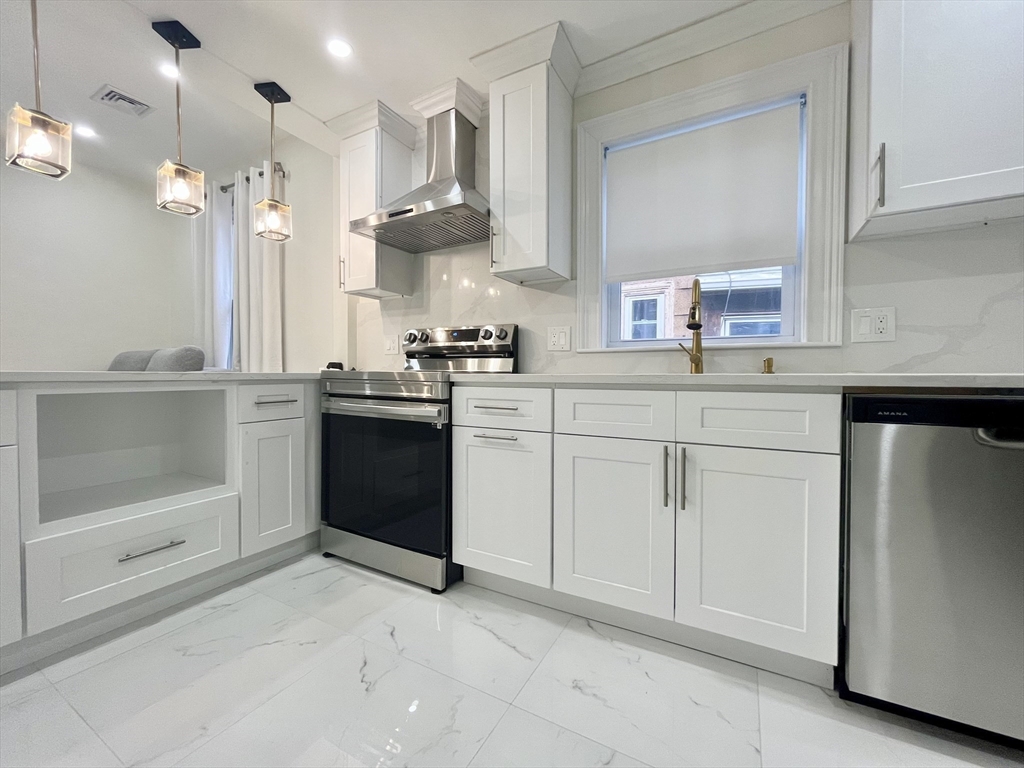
{"type": "Point", "coordinates": [709, 200]}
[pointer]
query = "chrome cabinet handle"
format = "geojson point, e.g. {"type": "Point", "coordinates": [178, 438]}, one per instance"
{"type": "Point", "coordinates": [988, 438]}
{"type": "Point", "coordinates": [511, 438]}
{"type": "Point", "coordinates": [881, 175]}
{"type": "Point", "coordinates": [665, 447]}
{"type": "Point", "coordinates": [161, 548]}
{"type": "Point", "coordinates": [497, 407]}
{"type": "Point", "coordinates": [258, 403]}
{"type": "Point", "coordinates": [682, 481]}
{"type": "Point", "coordinates": [494, 234]}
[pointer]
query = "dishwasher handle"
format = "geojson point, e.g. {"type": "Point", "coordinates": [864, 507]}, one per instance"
{"type": "Point", "coordinates": [991, 439]}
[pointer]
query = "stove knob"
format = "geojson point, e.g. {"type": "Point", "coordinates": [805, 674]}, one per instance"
{"type": "Point", "coordinates": [410, 337]}
{"type": "Point", "coordinates": [486, 334]}
{"type": "Point", "coordinates": [501, 333]}
{"type": "Point", "coordinates": [424, 337]}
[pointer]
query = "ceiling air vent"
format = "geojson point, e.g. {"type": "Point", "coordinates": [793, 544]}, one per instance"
{"type": "Point", "coordinates": [121, 101]}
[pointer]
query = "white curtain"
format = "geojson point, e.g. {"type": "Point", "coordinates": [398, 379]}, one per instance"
{"type": "Point", "coordinates": [238, 279]}
{"type": "Point", "coordinates": [214, 264]}
{"type": "Point", "coordinates": [257, 280]}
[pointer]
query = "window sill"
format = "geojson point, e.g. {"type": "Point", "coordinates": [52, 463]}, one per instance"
{"type": "Point", "coordinates": [674, 347]}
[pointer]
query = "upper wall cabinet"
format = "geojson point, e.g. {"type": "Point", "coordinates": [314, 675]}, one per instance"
{"type": "Point", "coordinates": [532, 79]}
{"type": "Point", "coordinates": [937, 128]}
{"type": "Point", "coordinates": [376, 167]}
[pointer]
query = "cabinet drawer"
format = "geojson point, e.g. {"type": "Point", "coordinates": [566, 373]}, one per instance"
{"type": "Point", "coordinates": [502, 407]}
{"type": "Point", "coordinates": [616, 413]}
{"type": "Point", "coordinates": [74, 574]}
{"type": "Point", "coordinates": [266, 402]}
{"type": "Point", "coordinates": [784, 421]}
{"type": "Point", "coordinates": [8, 417]}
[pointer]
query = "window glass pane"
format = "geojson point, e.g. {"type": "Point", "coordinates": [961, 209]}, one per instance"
{"type": "Point", "coordinates": [645, 330]}
{"type": "Point", "coordinates": [645, 309]}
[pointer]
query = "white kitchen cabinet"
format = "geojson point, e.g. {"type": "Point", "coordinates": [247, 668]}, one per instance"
{"type": "Point", "coordinates": [376, 168]}
{"type": "Point", "coordinates": [530, 176]}
{"type": "Point", "coordinates": [614, 522]}
{"type": "Point", "coordinates": [272, 483]}
{"type": "Point", "coordinates": [938, 85]}
{"type": "Point", "coordinates": [501, 502]}
{"type": "Point", "coordinates": [757, 547]}
{"type": "Point", "coordinates": [10, 548]}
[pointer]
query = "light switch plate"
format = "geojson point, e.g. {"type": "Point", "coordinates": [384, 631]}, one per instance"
{"type": "Point", "coordinates": [876, 324]}
{"type": "Point", "coordinates": [559, 338]}
{"type": "Point", "coordinates": [390, 345]}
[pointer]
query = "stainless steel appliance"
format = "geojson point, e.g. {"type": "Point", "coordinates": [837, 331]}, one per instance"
{"type": "Point", "coordinates": [447, 210]}
{"type": "Point", "coordinates": [935, 558]}
{"type": "Point", "coordinates": [386, 452]}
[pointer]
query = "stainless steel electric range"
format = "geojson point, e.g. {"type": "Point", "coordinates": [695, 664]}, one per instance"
{"type": "Point", "coordinates": [386, 452]}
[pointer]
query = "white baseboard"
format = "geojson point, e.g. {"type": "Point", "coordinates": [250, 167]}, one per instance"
{"type": "Point", "coordinates": [144, 610]}
{"type": "Point", "coordinates": [737, 650]}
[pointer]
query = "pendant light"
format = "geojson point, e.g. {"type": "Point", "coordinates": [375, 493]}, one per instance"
{"type": "Point", "coordinates": [179, 189]}
{"type": "Point", "coordinates": [35, 141]}
{"type": "Point", "coordinates": [272, 218]}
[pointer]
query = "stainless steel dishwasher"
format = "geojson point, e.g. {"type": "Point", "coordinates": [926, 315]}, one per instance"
{"type": "Point", "coordinates": [935, 558]}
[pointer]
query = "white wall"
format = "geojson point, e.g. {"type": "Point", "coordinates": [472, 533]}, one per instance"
{"type": "Point", "coordinates": [88, 268]}
{"type": "Point", "coordinates": [959, 296]}
{"type": "Point", "coordinates": [308, 258]}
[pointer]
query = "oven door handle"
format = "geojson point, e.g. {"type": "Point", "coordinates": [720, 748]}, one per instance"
{"type": "Point", "coordinates": [432, 414]}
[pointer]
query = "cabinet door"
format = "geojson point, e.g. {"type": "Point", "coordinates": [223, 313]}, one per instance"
{"type": "Point", "coordinates": [614, 522]}
{"type": "Point", "coordinates": [10, 548]}
{"type": "Point", "coordinates": [519, 169]}
{"type": "Point", "coordinates": [501, 502]}
{"type": "Point", "coordinates": [273, 483]}
{"type": "Point", "coordinates": [946, 100]}
{"type": "Point", "coordinates": [360, 196]}
{"type": "Point", "coordinates": [757, 547]}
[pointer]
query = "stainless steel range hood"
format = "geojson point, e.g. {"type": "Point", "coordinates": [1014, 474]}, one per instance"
{"type": "Point", "coordinates": [447, 210]}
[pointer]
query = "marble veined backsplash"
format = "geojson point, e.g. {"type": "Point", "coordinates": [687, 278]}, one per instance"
{"type": "Point", "coordinates": [959, 299]}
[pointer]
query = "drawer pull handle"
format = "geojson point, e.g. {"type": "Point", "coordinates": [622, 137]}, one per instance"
{"type": "Point", "coordinates": [276, 402]}
{"type": "Point", "coordinates": [510, 438]}
{"type": "Point", "coordinates": [497, 407]}
{"type": "Point", "coordinates": [161, 548]}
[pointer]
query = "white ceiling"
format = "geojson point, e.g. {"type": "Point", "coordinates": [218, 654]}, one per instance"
{"type": "Point", "coordinates": [405, 48]}
{"type": "Point", "coordinates": [88, 43]}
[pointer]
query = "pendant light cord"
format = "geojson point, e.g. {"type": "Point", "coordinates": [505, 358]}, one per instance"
{"type": "Point", "coordinates": [177, 91]}
{"type": "Point", "coordinates": [35, 57]}
{"type": "Point", "coordinates": [272, 166]}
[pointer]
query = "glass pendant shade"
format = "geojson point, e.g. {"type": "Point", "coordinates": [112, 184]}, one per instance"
{"type": "Point", "coordinates": [273, 220]}
{"type": "Point", "coordinates": [38, 143]}
{"type": "Point", "coordinates": [180, 189]}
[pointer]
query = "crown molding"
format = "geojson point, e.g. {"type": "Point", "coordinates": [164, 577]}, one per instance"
{"type": "Point", "coordinates": [728, 27]}
{"type": "Point", "coordinates": [373, 115]}
{"type": "Point", "coordinates": [452, 95]}
{"type": "Point", "coordinates": [548, 43]}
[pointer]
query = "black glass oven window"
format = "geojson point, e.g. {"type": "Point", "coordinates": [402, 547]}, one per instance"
{"type": "Point", "coordinates": [386, 479]}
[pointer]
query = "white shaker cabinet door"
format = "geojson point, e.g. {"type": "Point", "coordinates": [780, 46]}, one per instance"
{"type": "Point", "coordinates": [757, 548]}
{"type": "Point", "coordinates": [501, 502]}
{"type": "Point", "coordinates": [946, 100]}
{"type": "Point", "coordinates": [614, 522]}
{"type": "Point", "coordinates": [10, 548]}
{"type": "Point", "coordinates": [273, 483]}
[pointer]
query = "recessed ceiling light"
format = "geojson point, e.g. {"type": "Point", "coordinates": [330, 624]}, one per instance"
{"type": "Point", "coordinates": [169, 70]}
{"type": "Point", "coordinates": [85, 130]}
{"type": "Point", "coordinates": [339, 48]}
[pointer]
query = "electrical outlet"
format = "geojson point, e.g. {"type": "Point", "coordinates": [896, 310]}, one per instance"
{"type": "Point", "coordinates": [390, 345]}
{"type": "Point", "coordinates": [877, 324]}
{"type": "Point", "coordinates": [559, 338]}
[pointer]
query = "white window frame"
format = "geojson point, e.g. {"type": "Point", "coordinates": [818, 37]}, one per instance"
{"type": "Point", "coordinates": [822, 75]}
{"type": "Point", "coordinates": [626, 316]}
{"type": "Point", "coordinates": [763, 317]}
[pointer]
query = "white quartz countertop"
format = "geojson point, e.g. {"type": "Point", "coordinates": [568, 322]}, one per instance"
{"type": "Point", "coordinates": [832, 382]}
{"type": "Point", "coordinates": [140, 377]}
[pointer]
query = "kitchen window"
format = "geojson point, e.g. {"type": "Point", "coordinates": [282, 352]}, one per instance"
{"type": "Point", "coordinates": [738, 183]}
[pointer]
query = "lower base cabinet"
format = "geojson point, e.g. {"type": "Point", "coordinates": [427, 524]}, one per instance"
{"type": "Point", "coordinates": [614, 522]}
{"type": "Point", "coordinates": [10, 547]}
{"type": "Point", "coordinates": [757, 547]}
{"type": "Point", "coordinates": [501, 502]}
{"type": "Point", "coordinates": [272, 483]}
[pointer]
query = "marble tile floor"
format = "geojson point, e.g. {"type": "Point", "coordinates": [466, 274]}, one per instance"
{"type": "Point", "coordinates": [320, 663]}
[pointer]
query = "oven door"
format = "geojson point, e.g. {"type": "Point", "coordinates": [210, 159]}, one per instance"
{"type": "Point", "coordinates": [386, 471]}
